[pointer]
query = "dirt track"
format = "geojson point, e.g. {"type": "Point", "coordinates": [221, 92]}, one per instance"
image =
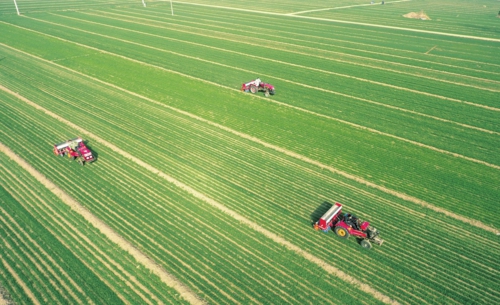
{"type": "Point", "coordinates": [104, 228]}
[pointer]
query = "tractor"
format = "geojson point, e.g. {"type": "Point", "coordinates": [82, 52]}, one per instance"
{"type": "Point", "coordinates": [346, 225]}
{"type": "Point", "coordinates": [75, 149]}
{"type": "Point", "coordinates": [257, 85]}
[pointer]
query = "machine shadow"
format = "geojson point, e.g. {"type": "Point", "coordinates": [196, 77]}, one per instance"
{"type": "Point", "coordinates": [319, 211]}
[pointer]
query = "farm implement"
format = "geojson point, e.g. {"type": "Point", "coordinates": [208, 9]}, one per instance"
{"type": "Point", "coordinates": [346, 225]}
{"type": "Point", "coordinates": [258, 86]}
{"type": "Point", "coordinates": [75, 149]}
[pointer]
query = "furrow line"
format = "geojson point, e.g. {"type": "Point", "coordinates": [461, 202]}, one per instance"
{"type": "Point", "coordinates": [64, 241]}
{"type": "Point", "coordinates": [282, 79]}
{"type": "Point", "coordinates": [103, 227]}
{"type": "Point", "coordinates": [340, 120]}
{"type": "Point", "coordinates": [352, 177]}
{"type": "Point", "coordinates": [127, 278]}
{"type": "Point", "coordinates": [292, 50]}
{"type": "Point", "coordinates": [289, 153]}
{"type": "Point", "coordinates": [30, 268]}
{"type": "Point", "coordinates": [219, 37]}
{"type": "Point", "coordinates": [330, 269]}
{"type": "Point", "coordinates": [45, 264]}
{"type": "Point", "coordinates": [287, 34]}
{"type": "Point", "coordinates": [344, 21]}
{"type": "Point", "coordinates": [19, 281]}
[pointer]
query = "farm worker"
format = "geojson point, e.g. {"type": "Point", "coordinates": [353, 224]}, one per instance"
{"type": "Point", "coordinates": [257, 82]}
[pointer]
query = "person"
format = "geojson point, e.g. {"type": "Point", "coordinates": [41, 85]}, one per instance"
{"type": "Point", "coordinates": [347, 218]}
{"type": "Point", "coordinates": [355, 222]}
{"type": "Point", "coordinates": [257, 82]}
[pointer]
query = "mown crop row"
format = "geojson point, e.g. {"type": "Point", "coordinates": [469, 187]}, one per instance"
{"type": "Point", "coordinates": [270, 189]}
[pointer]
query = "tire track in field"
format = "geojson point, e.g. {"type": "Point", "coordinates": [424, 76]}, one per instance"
{"type": "Point", "coordinates": [403, 196]}
{"type": "Point", "coordinates": [113, 236]}
{"type": "Point", "coordinates": [151, 241]}
{"type": "Point", "coordinates": [341, 7]}
{"type": "Point", "coordinates": [152, 196]}
{"type": "Point", "coordinates": [90, 247]}
{"type": "Point", "coordinates": [285, 80]}
{"type": "Point", "coordinates": [296, 107]}
{"type": "Point", "coordinates": [256, 140]}
{"type": "Point", "coordinates": [366, 36]}
{"type": "Point", "coordinates": [289, 64]}
{"type": "Point", "coordinates": [103, 196]}
{"type": "Point", "coordinates": [263, 58]}
{"type": "Point", "coordinates": [103, 227]}
{"type": "Point", "coordinates": [253, 11]}
{"type": "Point", "coordinates": [19, 281]}
{"type": "Point", "coordinates": [288, 34]}
{"type": "Point", "coordinates": [291, 49]}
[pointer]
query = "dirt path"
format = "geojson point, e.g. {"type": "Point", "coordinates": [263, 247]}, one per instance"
{"type": "Point", "coordinates": [3, 300]}
{"type": "Point", "coordinates": [141, 257]}
{"type": "Point", "coordinates": [274, 147]}
{"type": "Point", "coordinates": [103, 227]}
{"type": "Point", "coordinates": [342, 7]}
{"type": "Point", "coordinates": [343, 21]}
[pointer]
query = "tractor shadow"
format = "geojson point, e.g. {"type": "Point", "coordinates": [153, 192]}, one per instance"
{"type": "Point", "coordinates": [94, 153]}
{"type": "Point", "coordinates": [319, 211]}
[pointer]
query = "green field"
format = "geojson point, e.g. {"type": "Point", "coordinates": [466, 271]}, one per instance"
{"type": "Point", "coordinates": [202, 193]}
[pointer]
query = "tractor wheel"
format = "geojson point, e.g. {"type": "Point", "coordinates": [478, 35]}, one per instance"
{"type": "Point", "coordinates": [253, 89]}
{"type": "Point", "coordinates": [366, 244]}
{"type": "Point", "coordinates": [341, 232]}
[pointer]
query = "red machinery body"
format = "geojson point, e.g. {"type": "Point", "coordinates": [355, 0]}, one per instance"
{"type": "Point", "coordinates": [75, 149]}
{"type": "Point", "coordinates": [257, 85]}
{"type": "Point", "coordinates": [346, 225]}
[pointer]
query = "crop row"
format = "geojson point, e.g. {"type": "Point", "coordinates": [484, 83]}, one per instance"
{"type": "Point", "coordinates": [52, 252]}
{"type": "Point", "coordinates": [221, 190]}
{"type": "Point", "coordinates": [238, 117]}
{"type": "Point", "coordinates": [158, 230]}
{"type": "Point", "coordinates": [449, 49]}
{"type": "Point", "coordinates": [325, 61]}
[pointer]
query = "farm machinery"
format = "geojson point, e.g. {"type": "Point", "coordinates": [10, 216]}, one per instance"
{"type": "Point", "coordinates": [258, 86]}
{"type": "Point", "coordinates": [345, 225]}
{"type": "Point", "coordinates": [75, 149]}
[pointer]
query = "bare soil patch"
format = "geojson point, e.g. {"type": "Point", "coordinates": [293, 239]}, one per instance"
{"type": "Point", "coordinates": [421, 16]}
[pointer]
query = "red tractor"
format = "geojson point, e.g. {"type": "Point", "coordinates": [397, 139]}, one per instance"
{"type": "Point", "coordinates": [258, 86]}
{"type": "Point", "coordinates": [75, 149]}
{"type": "Point", "coordinates": [347, 225]}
